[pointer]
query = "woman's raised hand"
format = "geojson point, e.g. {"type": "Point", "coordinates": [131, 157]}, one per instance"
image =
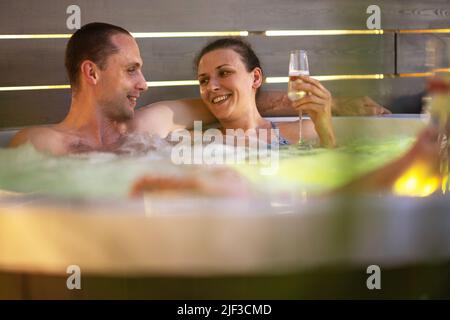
{"type": "Point", "coordinates": [317, 104]}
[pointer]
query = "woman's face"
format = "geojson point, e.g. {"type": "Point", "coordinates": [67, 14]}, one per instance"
{"type": "Point", "coordinates": [225, 85]}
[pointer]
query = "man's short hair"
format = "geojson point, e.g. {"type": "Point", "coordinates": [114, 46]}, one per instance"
{"type": "Point", "coordinates": [91, 42]}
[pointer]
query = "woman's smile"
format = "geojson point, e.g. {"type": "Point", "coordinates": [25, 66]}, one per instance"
{"type": "Point", "coordinates": [220, 99]}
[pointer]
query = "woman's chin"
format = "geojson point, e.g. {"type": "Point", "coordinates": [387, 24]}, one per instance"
{"type": "Point", "coordinates": [221, 113]}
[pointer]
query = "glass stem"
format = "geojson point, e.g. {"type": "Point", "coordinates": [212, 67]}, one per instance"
{"type": "Point", "coordinates": [300, 119]}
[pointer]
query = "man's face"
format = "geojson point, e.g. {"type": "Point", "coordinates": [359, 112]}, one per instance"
{"type": "Point", "coordinates": [121, 82]}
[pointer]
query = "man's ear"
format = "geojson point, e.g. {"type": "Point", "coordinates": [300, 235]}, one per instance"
{"type": "Point", "coordinates": [89, 71]}
{"type": "Point", "coordinates": [257, 78]}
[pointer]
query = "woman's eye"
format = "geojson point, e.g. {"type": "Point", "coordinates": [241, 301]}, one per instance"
{"type": "Point", "coordinates": [224, 73]}
{"type": "Point", "coordinates": [203, 81]}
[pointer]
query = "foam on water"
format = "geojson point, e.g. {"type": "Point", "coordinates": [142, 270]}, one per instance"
{"type": "Point", "coordinates": [106, 175]}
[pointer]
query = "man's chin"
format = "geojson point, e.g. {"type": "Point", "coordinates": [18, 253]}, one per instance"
{"type": "Point", "coordinates": [124, 116]}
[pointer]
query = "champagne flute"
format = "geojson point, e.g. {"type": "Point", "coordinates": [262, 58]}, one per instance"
{"type": "Point", "coordinates": [298, 66]}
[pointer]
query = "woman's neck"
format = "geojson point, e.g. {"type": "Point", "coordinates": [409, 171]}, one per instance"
{"type": "Point", "coordinates": [249, 120]}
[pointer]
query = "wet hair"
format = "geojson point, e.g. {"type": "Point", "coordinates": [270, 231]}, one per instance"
{"type": "Point", "coordinates": [244, 49]}
{"type": "Point", "coordinates": [91, 42]}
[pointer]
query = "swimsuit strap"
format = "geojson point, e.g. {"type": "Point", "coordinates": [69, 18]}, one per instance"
{"type": "Point", "coordinates": [281, 140]}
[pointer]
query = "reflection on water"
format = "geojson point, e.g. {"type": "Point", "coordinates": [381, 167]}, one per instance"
{"type": "Point", "coordinates": [318, 170]}
{"type": "Point", "coordinates": [100, 174]}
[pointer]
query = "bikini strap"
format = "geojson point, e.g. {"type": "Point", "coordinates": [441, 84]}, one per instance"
{"type": "Point", "coordinates": [281, 140]}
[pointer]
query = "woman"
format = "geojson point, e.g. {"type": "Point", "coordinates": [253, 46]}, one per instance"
{"type": "Point", "coordinates": [230, 75]}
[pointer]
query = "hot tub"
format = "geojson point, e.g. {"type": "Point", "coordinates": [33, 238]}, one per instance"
{"type": "Point", "coordinates": [203, 248]}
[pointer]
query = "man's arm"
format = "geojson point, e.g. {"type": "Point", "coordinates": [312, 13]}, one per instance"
{"type": "Point", "coordinates": [19, 138]}
{"type": "Point", "coordinates": [276, 103]}
{"type": "Point", "coordinates": [163, 117]}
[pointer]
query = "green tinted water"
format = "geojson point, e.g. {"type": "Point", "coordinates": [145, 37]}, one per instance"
{"type": "Point", "coordinates": [108, 175]}
{"type": "Point", "coordinates": [324, 169]}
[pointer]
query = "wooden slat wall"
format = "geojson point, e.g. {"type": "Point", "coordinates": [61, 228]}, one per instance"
{"type": "Point", "coordinates": [40, 61]}
{"type": "Point", "coordinates": [50, 106]}
{"type": "Point", "coordinates": [48, 16]}
{"type": "Point", "coordinates": [172, 59]}
{"type": "Point", "coordinates": [422, 52]}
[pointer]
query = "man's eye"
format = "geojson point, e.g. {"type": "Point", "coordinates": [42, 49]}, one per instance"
{"type": "Point", "coordinates": [131, 70]}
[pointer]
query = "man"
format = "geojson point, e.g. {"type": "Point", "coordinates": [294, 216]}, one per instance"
{"type": "Point", "coordinates": [104, 66]}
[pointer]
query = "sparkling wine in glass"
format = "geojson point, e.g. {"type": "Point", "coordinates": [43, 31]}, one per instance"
{"type": "Point", "coordinates": [298, 66]}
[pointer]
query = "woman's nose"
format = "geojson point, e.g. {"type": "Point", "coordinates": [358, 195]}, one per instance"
{"type": "Point", "coordinates": [213, 84]}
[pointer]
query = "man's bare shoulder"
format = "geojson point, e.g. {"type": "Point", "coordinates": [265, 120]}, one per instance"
{"type": "Point", "coordinates": [42, 138]}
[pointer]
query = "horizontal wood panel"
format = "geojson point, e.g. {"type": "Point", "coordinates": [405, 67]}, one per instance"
{"type": "Point", "coordinates": [400, 95]}
{"type": "Point", "coordinates": [24, 108]}
{"type": "Point", "coordinates": [422, 52]}
{"type": "Point", "coordinates": [329, 55]}
{"type": "Point", "coordinates": [41, 62]}
{"type": "Point", "coordinates": [49, 16]}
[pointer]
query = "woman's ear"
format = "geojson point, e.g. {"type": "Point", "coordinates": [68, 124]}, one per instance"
{"type": "Point", "coordinates": [257, 78]}
{"type": "Point", "coordinates": [89, 71]}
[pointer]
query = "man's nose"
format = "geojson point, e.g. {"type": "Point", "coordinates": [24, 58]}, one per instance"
{"type": "Point", "coordinates": [142, 84]}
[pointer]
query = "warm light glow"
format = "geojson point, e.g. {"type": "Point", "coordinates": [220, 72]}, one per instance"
{"type": "Point", "coordinates": [269, 33]}
{"type": "Point", "coordinates": [424, 31]}
{"type": "Point", "coordinates": [329, 77]}
{"type": "Point", "coordinates": [280, 33]}
{"type": "Point", "coordinates": [417, 181]}
{"type": "Point", "coordinates": [135, 34]}
{"type": "Point", "coordinates": [176, 83]}
{"type": "Point", "coordinates": [189, 34]}
{"type": "Point", "coordinates": [423, 74]}
{"type": "Point", "coordinates": [172, 83]}
{"type": "Point", "coordinates": [415, 75]}
{"type": "Point", "coordinates": [25, 88]}
{"type": "Point", "coordinates": [34, 36]}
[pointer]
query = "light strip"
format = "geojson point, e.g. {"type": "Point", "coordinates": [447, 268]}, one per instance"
{"type": "Point", "coordinates": [415, 75]}
{"type": "Point", "coordinates": [34, 36]}
{"type": "Point", "coordinates": [280, 33]}
{"type": "Point", "coordinates": [423, 74]}
{"type": "Point", "coordinates": [134, 34]}
{"type": "Point", "coordinates": [172, 83]}
{"type": "Point", "coordinates": [441, 70]}
{"type": "Point", "coordinates": [329, 78]}
{"type": "Point", "coordinates": [149, 83]}
{"type": "Point", "coordinates": [189, 34]}
{"type": "Point", "coordinates": [26, 88]}
{"type": "Point", "coordinates": [424, 31]}
{"type": "Point", "coordinates": [269, 33]}
{"type": "Point", "coordinates": [268, 80]}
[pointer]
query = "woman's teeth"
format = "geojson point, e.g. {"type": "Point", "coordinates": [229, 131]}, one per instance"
{"type": "Point", "coordinates": [220, 99]}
